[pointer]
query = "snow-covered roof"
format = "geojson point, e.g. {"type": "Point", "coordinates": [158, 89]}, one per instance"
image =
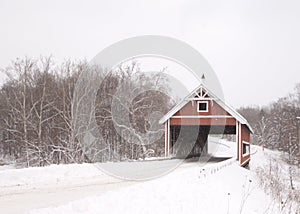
{"type": "Point", "coordinates": [219, 101]}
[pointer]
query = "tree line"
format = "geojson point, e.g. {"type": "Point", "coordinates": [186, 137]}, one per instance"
{"type": "Point", "coordinates": [276, 125]}
{"type": "Point", "coordinates": [44, 122]}
{"type": "Point", "coordinates": [39, 121]}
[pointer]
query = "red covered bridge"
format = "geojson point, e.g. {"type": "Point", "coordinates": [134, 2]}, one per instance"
{"type": "Point", "coordinates": [199, 114]}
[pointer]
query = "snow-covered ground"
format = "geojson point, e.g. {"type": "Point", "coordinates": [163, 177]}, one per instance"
{"type": "Point", "coordinates": [8, 166]}
{"type": "Point", "coordinates": [221, 187]}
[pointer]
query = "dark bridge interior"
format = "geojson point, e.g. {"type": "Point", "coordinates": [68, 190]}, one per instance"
{"type": "Point", "coordinates": [191, 141]}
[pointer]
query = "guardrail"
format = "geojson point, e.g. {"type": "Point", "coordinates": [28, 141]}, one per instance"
{"type": "Point", "coordinates": [214, 168]}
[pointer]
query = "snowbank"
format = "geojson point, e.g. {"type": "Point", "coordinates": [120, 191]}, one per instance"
{"type": "Point", "coordinates": [220, 188]}
{"type": "Point", "coordinates": [47, 175]}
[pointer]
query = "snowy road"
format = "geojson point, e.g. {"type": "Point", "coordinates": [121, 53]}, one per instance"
{"type": "Point", "coordinates": [22, 190]}
{"type": "Point", "coordinates": [20, 201]}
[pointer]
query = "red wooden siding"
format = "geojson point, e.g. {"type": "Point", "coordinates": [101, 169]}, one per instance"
{"type": "Point", "coordinates": [191, 109]}
{"type": "Point", "coordinates": [245, 136]}
{"type": "Point", "coordinates": [202, 121]}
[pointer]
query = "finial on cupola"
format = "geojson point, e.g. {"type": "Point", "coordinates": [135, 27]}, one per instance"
{"type": "Point", "coordinates": [203, 78]}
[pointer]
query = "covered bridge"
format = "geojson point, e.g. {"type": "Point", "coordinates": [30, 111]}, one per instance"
{"type": "Point", "coordinates": [199, 114]}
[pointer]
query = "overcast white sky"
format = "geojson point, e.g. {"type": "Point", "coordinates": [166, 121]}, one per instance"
{"type": "Point", "coordinates": [252, 45]}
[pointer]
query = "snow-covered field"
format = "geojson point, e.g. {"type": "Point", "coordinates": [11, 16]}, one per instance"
{"type": "Point", "coordinates": [221, 187]}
